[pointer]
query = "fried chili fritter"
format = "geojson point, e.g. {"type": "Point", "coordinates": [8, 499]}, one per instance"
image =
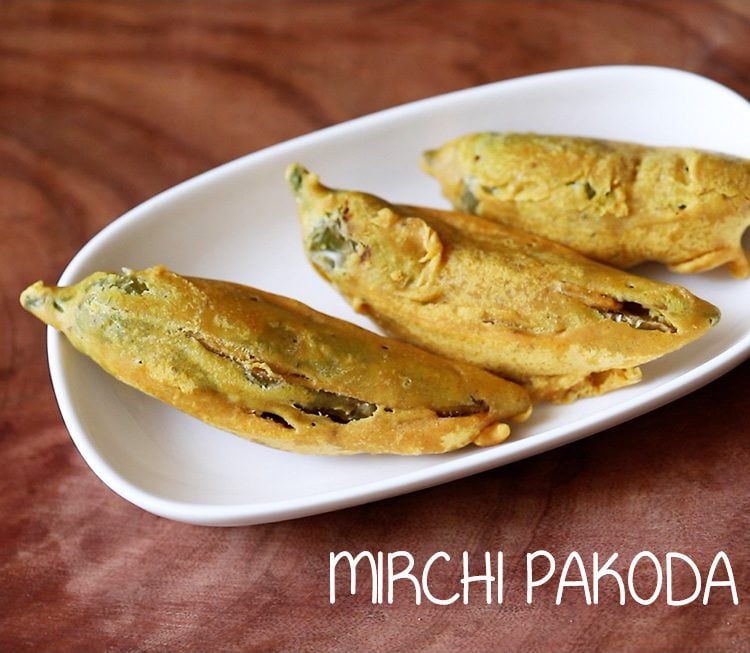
{"type": "Point", "coordinates": [273, 370]}
{"type": "Point", "coordinates": [524, 307]}
{"type": "Point", "coordinates": [619, 203]}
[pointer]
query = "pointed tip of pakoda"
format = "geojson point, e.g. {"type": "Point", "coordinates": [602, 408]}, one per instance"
{"type": "Point", "coordinates": [295, 175]}
{"type": "Point", "coordinates": [303, 182]}
{"type": "Point", "coordinates": [44, 302]}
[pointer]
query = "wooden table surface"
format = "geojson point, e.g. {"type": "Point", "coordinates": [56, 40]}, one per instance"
{"type": "Point", "coordinates": [103, 104]}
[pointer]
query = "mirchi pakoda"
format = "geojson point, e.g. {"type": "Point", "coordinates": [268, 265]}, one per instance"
{"type": "Point", "coordinates": [617, 202]}
{"type": "Point", "coordinates": [526, 308]}
{"type": "Point", "coordinates": [276, 371]}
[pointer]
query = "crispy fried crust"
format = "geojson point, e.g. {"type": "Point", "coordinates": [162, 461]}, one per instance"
{"type": "Point", "coordinates": [275, 371]}
{"type": "Point", "coordinates": [620, 203]}
{"type": "Point", "coordinates": [471, 289]}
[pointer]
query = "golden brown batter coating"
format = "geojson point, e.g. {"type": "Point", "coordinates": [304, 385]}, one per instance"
{"type": "Point", "coordinates": [620, 203]}
{"type": "Point", "coordinates": [273, 370]}
{"type": "Point", "coordinates": [475, 290]}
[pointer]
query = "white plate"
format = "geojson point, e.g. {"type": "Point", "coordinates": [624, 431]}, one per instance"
{"type": "Point", "coordinates": [238, 222]}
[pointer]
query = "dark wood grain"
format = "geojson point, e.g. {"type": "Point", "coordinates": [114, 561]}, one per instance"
{"type": "Point", "coordinates": [103, 104]}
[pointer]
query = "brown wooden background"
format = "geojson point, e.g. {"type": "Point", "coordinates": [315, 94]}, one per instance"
{"type": "Point", "coordinates": [104, 103]}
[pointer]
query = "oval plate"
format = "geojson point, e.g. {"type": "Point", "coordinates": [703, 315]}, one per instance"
{"type": "Point", "coordinates": [238, 222]}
